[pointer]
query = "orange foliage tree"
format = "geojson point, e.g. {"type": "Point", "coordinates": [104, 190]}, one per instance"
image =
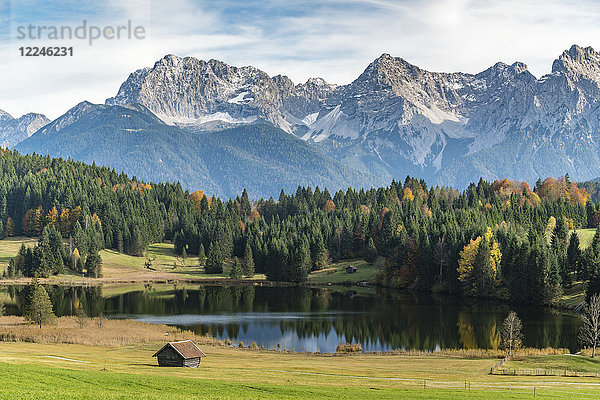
{"type": "Point", "coordinates": [329, 206]}
{"type": "Point", "coordinates": [196, 198]}
{"type": "Point", "coordinates": [554, 189]}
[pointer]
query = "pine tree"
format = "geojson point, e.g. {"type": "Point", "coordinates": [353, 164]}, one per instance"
{"type": "Point", "coordinates": [483, 277]}
{"type": "Point", "coordinates": [79, 239]}
{"type": "Point", "coordinates": [574, 254]}
{"type": "Point", "coordinates": [38, 309]}
{"type": "Point", "coordinates": [552, 282]}
{"type": "Point", "coordinates": [593, 286]}
{"type": "Point", "coordinates": [201, 255]}
{"type": "Point", "coordinates": [321, 255]}
{"type": "Point", "coordinates": [245, 203]}
{"type": "Point", "coordinates": [214, 261]}
{"type": "Point", "coordinates": [370, 252]}
{"type": "Point", "coordinates": [236, 269]}
{"type": "Point", "coordinates": [559, 234]}
{"type": "Point", "coordinates": [298, 269]}
{"type": "Point", "coordinates": [93, 264]}
{"type": "Point", "coordinates": [248, 262]}
{"type": "Point", "coordinates": [10, 270]}
{"type": "Point", "coordinates": [179, 242]}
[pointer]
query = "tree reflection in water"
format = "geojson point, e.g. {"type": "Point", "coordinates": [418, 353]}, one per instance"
{"type": "Point", "coordinates": [314, 319]}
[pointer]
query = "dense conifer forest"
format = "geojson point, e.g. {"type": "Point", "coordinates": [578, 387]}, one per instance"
{"type": "Point", "coordinates": [498, 239]}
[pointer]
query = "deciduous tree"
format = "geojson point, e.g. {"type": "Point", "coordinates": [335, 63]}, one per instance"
{"type": "Point", "coordinates": [589, 333]}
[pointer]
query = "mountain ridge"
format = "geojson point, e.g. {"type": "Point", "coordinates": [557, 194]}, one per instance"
{"type": "Point", "coordinates": [15, 130]}
{"type": "Point", "coordinates": [395, 119]}
{"type": "Point", "coordinates": [259, 157]}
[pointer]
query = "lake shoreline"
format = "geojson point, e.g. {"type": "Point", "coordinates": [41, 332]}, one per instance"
{"type": "Point", "coordinates": [68, 330]}
{"type": "Point", "coordinates": [80, 281]}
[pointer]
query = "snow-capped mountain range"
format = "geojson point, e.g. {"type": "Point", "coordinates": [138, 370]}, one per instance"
{"type": "Point", "coordinates": [393, 120]}
{"type": "Point", "coordinates": [397, 118]}
{"type": "Point", "coordinates": [187, 91]}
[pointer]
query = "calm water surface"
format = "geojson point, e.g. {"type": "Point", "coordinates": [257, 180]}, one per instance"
{"type": "Point", "coordinates": [313, 320]}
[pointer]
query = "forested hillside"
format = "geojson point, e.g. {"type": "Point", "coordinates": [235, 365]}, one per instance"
{"type": "Point", "coordinates": [259, 157]}
{"type": "Point", "coordinates": [498, 239]}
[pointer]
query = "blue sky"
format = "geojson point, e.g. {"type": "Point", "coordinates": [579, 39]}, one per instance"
{"type": "Point", "coordinates": [332, 39]}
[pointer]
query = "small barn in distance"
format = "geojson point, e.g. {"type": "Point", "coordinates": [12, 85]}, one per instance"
{"type": "Point", "coordinates": [179, 354]}
{"type": "Point", "coordinates": [350, 269]}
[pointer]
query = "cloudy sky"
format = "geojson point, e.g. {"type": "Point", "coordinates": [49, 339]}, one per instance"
{"type": "Point", "coordinates": [332, 39]}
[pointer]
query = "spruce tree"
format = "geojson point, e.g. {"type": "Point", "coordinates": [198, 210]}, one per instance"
{"type": "Point", "coordinates": [573, 254]}
{"type": "Point", "coordinates": [214, 261]}
{"type": "Point", "coordinates": [298, 269]}
{"type": "Point", "coordinates": [201, 255]}
{"type": "Point", "coordinates": [79, 239]}
{"type": "Point", "coordinates": [236, 269]}
{"type": "Point", "coordinates": [93, 264]}
{"type": "Point", "coordinates": [559, 234]}
{"type": "Point", "coordinates": [593, 286]}
{"type": "Point", "coordinates": [248, 262]}
{"type": "Point", "coordinates": [245, 203]}
{"type": "Point", "coordinates": [370, 252]}
{"type": "Point", "coordinates": [38, 309]}
{"type": "Point", "coordinates": [483, 279]}
{"type": "Point", "coordinates": [321, 255]}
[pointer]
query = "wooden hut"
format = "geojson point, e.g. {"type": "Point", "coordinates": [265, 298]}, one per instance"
{"type": "Point", "coordinates": [179, 354]}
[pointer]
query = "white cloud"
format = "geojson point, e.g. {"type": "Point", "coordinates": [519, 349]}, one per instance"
{"type": "Point", "coordinates": [333, 39]}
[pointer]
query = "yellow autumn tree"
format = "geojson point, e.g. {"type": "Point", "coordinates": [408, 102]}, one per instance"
{"type": "Point", "coordinates": [74, 216]}
{"type": "Point", "coordinates": [10, 227]}
{"type": "Point", "coordinates": [64, 224]}
{"type": "Point", "coordinates": [495, 253]}
{"type": "Point", "coordinates": [466, 262]}
{"type": "Point", "coordinates": [196, 198]}
{"type": "Point", "coordinates": [399, 230]}
{"type": "Point", "coordinates": [75, 256]}
{"type": "Point", "coordinates": [408, 194]}
{"type": "Point", "coordinates": [467, 259]}
{"type": "Point", "coordinates": [96, 220]}
{"type": "Point", "coordinates": [39, 220]}
{"type": "Point", "coordinates": [52, 217]}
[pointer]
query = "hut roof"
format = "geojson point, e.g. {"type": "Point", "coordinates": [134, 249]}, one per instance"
{"type": "Point", "coordinates": [186, 348]}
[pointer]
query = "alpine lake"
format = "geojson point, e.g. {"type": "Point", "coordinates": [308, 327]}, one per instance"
{"type": "Point", "coordinates": [313, 319]}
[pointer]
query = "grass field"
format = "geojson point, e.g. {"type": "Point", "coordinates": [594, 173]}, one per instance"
{"type": "Point", "coordinates": [9, 248]}
{"type": "Point", "coordinates": [336, 273]}
{"type": "Point", "coordinates": [54, 371]}
{"type": "Point", "coordinates": [558, 362]}
{"type": "Point", "coordinates": [585, 237]}
{"type": "Point", "coordinates": [573, 296]}
{"type": "Point", "coordinates": [167, 266]}
{"type": "Point", "coordinates": [67, 361]}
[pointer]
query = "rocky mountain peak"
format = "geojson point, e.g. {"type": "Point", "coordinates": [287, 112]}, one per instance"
{"type": "Point", "coordinates": [4, 115]}
{"type": "Point", "coordinates": [578, 63]}
{"type": "Point", "coordinates": [15, 130]}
